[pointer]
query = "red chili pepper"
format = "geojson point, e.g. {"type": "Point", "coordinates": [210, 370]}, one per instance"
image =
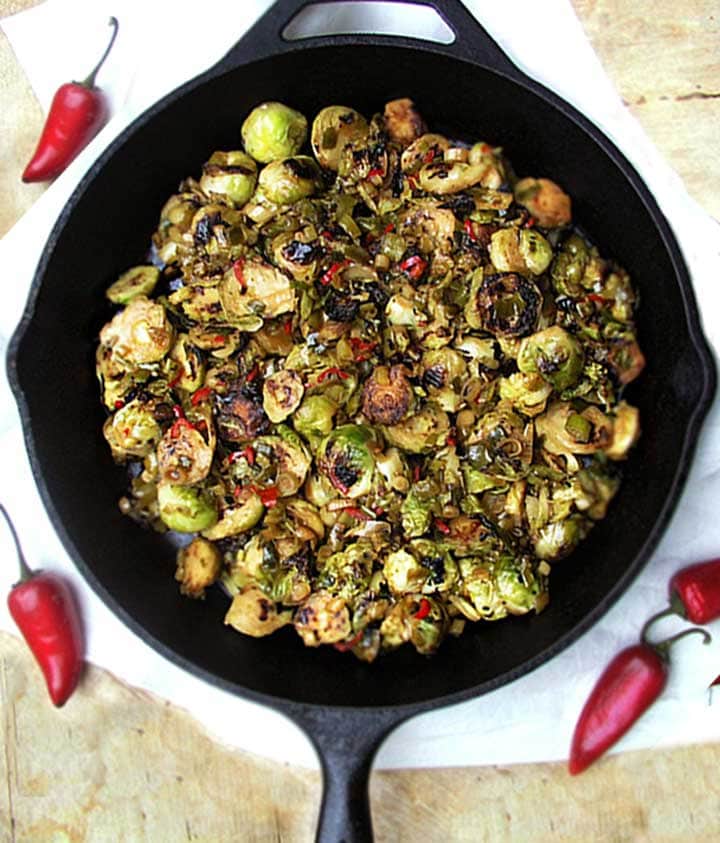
{"type": "Point", "coordinates": [442, 526]}
{"type": "Point", "coordinates": [694, 593]}
{"type": "Point", "coordinates": [218, 339]}
{"type": "Point", "coordinates": [43, 607]}
{"type": "Point", "coordinates": [416, 473]}
{"type": "Point", "coordinates": [177, 426]}
{"type": "Point", "coordinates": [239, 272]}
{"type": "Point", "coordinates": [414, 266]}
{"type": "Point", "coordinates": [424, 609]}
{"type": "Point", "coordinates": [628, 686]}
{"type": "Point", "coordinates": [376, 171]}
{"type": "Point", "coordinates": [429, 156]}
{"type": "Point", "coordinates": [451, 441]}
{"type": "Point", "coordinates": [344, 646]}
{"type": "Point", "coordinates": [362, 348]}
{"type": "Point", "coordinates": [354, 512]}
{"type": "Point", "coordinates": [470, 229]}
{"type": "Point", "coordinates": [288, 326]}
{"type": "Point", "coordinates": [388, 228]}
{"type": "Point", "coordinates": [178, 411]}
{"type": "Point", "coordinates": [77, 113]}
{"type": "Point", "coordinates": [249, 454]}
{"type": "Point", "coordinates": [252, 374]}
{"type": "Point", "coordinates": [530, 222]}
{"type": "Point", "coordinates": [379, 511]}
{"type": "Point", "coordinates": [119, 404]}
{"type": "Point", "coordinates": [412, 181]}
{"type": "Point", "coordinates": [326, 234]}
{"type": "Point", "coordinates": [333, 370]}
{"type": "Point", "coordinates": [268, 497]}
{"type": "Point", "coordinates": [176, 380]}
{"type": "Point", "coordinates": [594, 297]}
{"type": "Point", "coordinates": [200, 395]}
{"type": "Point", "coordinates": [328, 276]}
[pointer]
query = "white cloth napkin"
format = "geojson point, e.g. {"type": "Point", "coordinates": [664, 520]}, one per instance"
{"type": "Point", "coordinates": [531, 719]}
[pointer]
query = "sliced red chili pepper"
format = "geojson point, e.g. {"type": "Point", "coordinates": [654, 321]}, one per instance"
{"type": "Point", "coordinates": [268, 497]}
{"type": "Point", "coordinates": [126, 431]}
{"type": "Point", "coordinates": [237, 491]}
{"type": "Point", "coordinates": [388, 228]}
{"type": "Point", "coordinates": [628, 686]}
{"type": "Point", "coordinates": [178, 426]}
{"type": "Point", "coordinates": [200, 395]}
{"type": "Point", "coordinates": [201, 426]}
{"type": "Point", "coordinates": [362, 348]}
{"type": "Point", "coordinates": [530, 222]}
{"type": "Point", "coordinates": [442, 526]}
{"type": "Point", "coordinates": [252, 374]}
{"type": "Point", "coordinates": [44, 609]}
{"type": "Point", "coordinates": [338, 484]}
{"type": "Point", "coordinates": [77, 113]}
{"type": "Point", "coordinates": [451, 441]}
{"type": "Point", "coordinates": [470, 229]}
{"type": "Point", "coordinates": [594, 297]}
{"type": "Point", "coordinates": [119, 404]}
{"type": "Point", "coordinates": [429, 156]}
{"type": "Point", "coordinates": [332, 371]}
{"type": "Point", "coordinates": [239, 272]}
{"type": "Point", "coordinates": [178, 411]}
{"type": "Point", "coordinates": [414, 267]}
{"type": "Point", "coordinates": [379, 511]}
{"type": "Point", "coordinates": [328, 235]}
{"type": "Point", "coordinates": [424, 609]}
{"type": "Point", "coordinates": [412, 181]}
{"type": "Point", "coordinates": [416, 473]}
{"type": "Point", "coordinates": [218, 339]}
{"type": "Point", "coordinates": [327, 277]}
{"type": "Point", "coordinates": [288, 326]}
{"type": "Point", "coordinates": [176, 380]}
{"type": "Point", "coordinates": [344, 646]}
{"type": "Point", "coordinates": [249, 454]}
{"type": "Point", "coordinates": [355, 512]}
{"type": "Point", "coordinates": [376, 171]}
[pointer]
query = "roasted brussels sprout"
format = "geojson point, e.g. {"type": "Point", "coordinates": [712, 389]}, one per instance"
{"type": "Point", "coordinates": [229, 177]}
{"type": "Point", "coordinates": [186, 509]}
{"type": "Point", "coordinates": [346, 458]}
{"type": "Point", "coordinates": [553, 353]}
{"type": "Point", "coordinates": [548, 203]}
{"type": "Point", "coordinates": [137, 281]}
{"type": "Point", "coordinates": [289, 180]}
{"type": "Point", "coordinates": [334, 128]}
{"type": "Point", "coordinates": [272, 131]}
{"type": "Point", "coordinates": [198, 566]}
{"type": "Point", "coordinates": [380, 387]}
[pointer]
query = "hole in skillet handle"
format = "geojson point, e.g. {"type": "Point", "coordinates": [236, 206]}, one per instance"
{"type": "Point", "coordinates": [442, 26]}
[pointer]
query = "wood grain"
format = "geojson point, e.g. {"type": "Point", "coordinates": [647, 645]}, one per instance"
{"type": "Point", "coordinates": [117, 765]}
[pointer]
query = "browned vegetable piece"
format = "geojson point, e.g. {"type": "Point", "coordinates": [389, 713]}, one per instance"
{"type": "Point", "coordinates": [545, 200]}
{"type": "Point", "coordinates": [239, 418]}
{"type": "Point", "coordinates": [403, 121]}
{"type": "Point", "coordinates": [198, 566]}
{"type": "Point", "coordinates": [322, 619]}
{"type": "Point", "coordinates": [387, 395]}
{"type": "Point", "coordinates": [252, 613]}
{"type": "Point", "coordinates": [184, 457]}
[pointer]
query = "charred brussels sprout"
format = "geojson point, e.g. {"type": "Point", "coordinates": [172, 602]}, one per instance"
{"type": "Point", "coordinates": [282, 394]}
{"type": "Point", "coordinates": [498, 588]}
{"type": "Point", "coordinates": [289, 180]}
{"type": "Point", "coordinates": [314, 417]}
{"type": "Point", "coordinates": [247, 509]}
{"type": "Point", "coordinates": [444, 177]}
{"type": "Point", "coordinates": [568, 268]}
{"type": "Point", "coordinates": [272, 131]}
{"type": "Point", "coordinates": [252, 613]}
{"type": "Point", "coordinates": [186, 509]}
{"type": "Point", "coordinates": [553, 353]}
{"type": "Point", "coordinates": [524, 250]}
{"type": "Point", "coordinates": [346, 458]}
{"type": "Point", "coordinates": [507, 305]}
{"type": "Point", "coordinates": [422, 432]}
{"type": "Point", "coordinates": [322, 619]}
{"type": "Point", "coordinates": [141, 333]}
{"type": "Point", "coordinates": [403, 122]}
{"type": "Point", "coordinates": [229, 177]}
{"type": "Point", "coordinates": [332, 130]}
{"type": "Point", "coordinates": [387, 395]}
{"type": "Point", "coordinates": [132, 431]}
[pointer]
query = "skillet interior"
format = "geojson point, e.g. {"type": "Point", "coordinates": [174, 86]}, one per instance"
{"type": "Point", "coordinates": [107, 227]}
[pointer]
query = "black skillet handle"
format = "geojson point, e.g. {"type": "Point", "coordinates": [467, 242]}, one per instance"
{"type": "Point", "coordinates": [346, 741]}
{"type": "Point", "coordinates": [472, 42]}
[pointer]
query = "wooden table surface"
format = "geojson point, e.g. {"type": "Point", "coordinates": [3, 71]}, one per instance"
{"type": "Point", "coordinates": [117, 765]}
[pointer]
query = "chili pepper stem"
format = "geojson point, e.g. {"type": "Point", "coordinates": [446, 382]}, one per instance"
{"type": "Point", "coordinates": [675, 608]}
{"type": "Point", "coordinates": [89, 81]}
{"type": "Point", "coordinates": [663, 647]}
{"type": "Point", "coordinates": [26, 572]}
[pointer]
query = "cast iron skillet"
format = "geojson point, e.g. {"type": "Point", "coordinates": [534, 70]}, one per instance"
{"type": "Point", "coordinates": [470, 89]}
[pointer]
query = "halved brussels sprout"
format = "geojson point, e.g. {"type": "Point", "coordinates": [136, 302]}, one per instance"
{"type": "Point", "coordinates": [252, 613]}
{"type": "Point", "coordinates": [240, 418]}
{"type": "Point", "coordinates": [568, 269]}
{"type": "Point", "coordinates": [444, 177]}
{"type": "Point", "coordinates": [403, 573]}
{"type": "Point", "coordinates": [346, 574]}
{"type": "Point", "coordinates": [295, 253]}
{"type": "Point", "coordinates": [141, 333]}
{"type": "Point", "coordinates": [190, 372]}
{"type": "Point", "coordinates": [132, 431]}
{"type": "Point", "coordinates": [272, 131]}
{"type": "Point", "coordinates": [255, 288]}
{"type": "Point", "coordinates": [501, 444]}
{"type": "Point", "coordinates": [282, 394]}
{"type": "Point", "coordinates": [422, 432]}
{"type": "Point", "coordinates": [558, 539]}
{"type": "Point", "coordinates": [387, 395]}
{"type": "Point", "coordinates": [183, 455]}
{"type": "Point", "coordinates": [420, 620]}
{"type": "Point", "coordinates": [502, 587]}
{"type": "Point", "coordinates": [520, 250]}
{"type": "Point", "coordinates": [506, 305]}
{"type": "Point", "coordinates": [198, 566]}
{"type": "Point", "coordinates": [416, 510]}
{"type": "Point", "coordinates": [242, 516]}
{"type": "Point", "coordinates": [290, 459]}
{"type": "Point", "coordinates": [565, 431]}
{"type": "Point", "coordinates": [289, 179]}
{"type": "Point", "coordinates": [625, 432]}
{"type": "Point", "coordinates": [229, 176]}
{"type": "Point", "coordinates": [403, 122]}
{"type": "Point", "coordinates": [527, 393]}
{"type": "Point", "coordinates": [346, 458]}
{"type": "Point", "coordinates": [548, 203]}
{"type": "Point", "coordinates": [553, 353]}
{"type": "Point", "coordinates": [137, 281]}
{"type": "Point", "coordinates": [314, 417]}
{"type": "Point", "coordinates": [332, 130]}
{"type": "Point", "coordinates": [185, 509]}
{"type": "Point", "coordinates": [322, 619]}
